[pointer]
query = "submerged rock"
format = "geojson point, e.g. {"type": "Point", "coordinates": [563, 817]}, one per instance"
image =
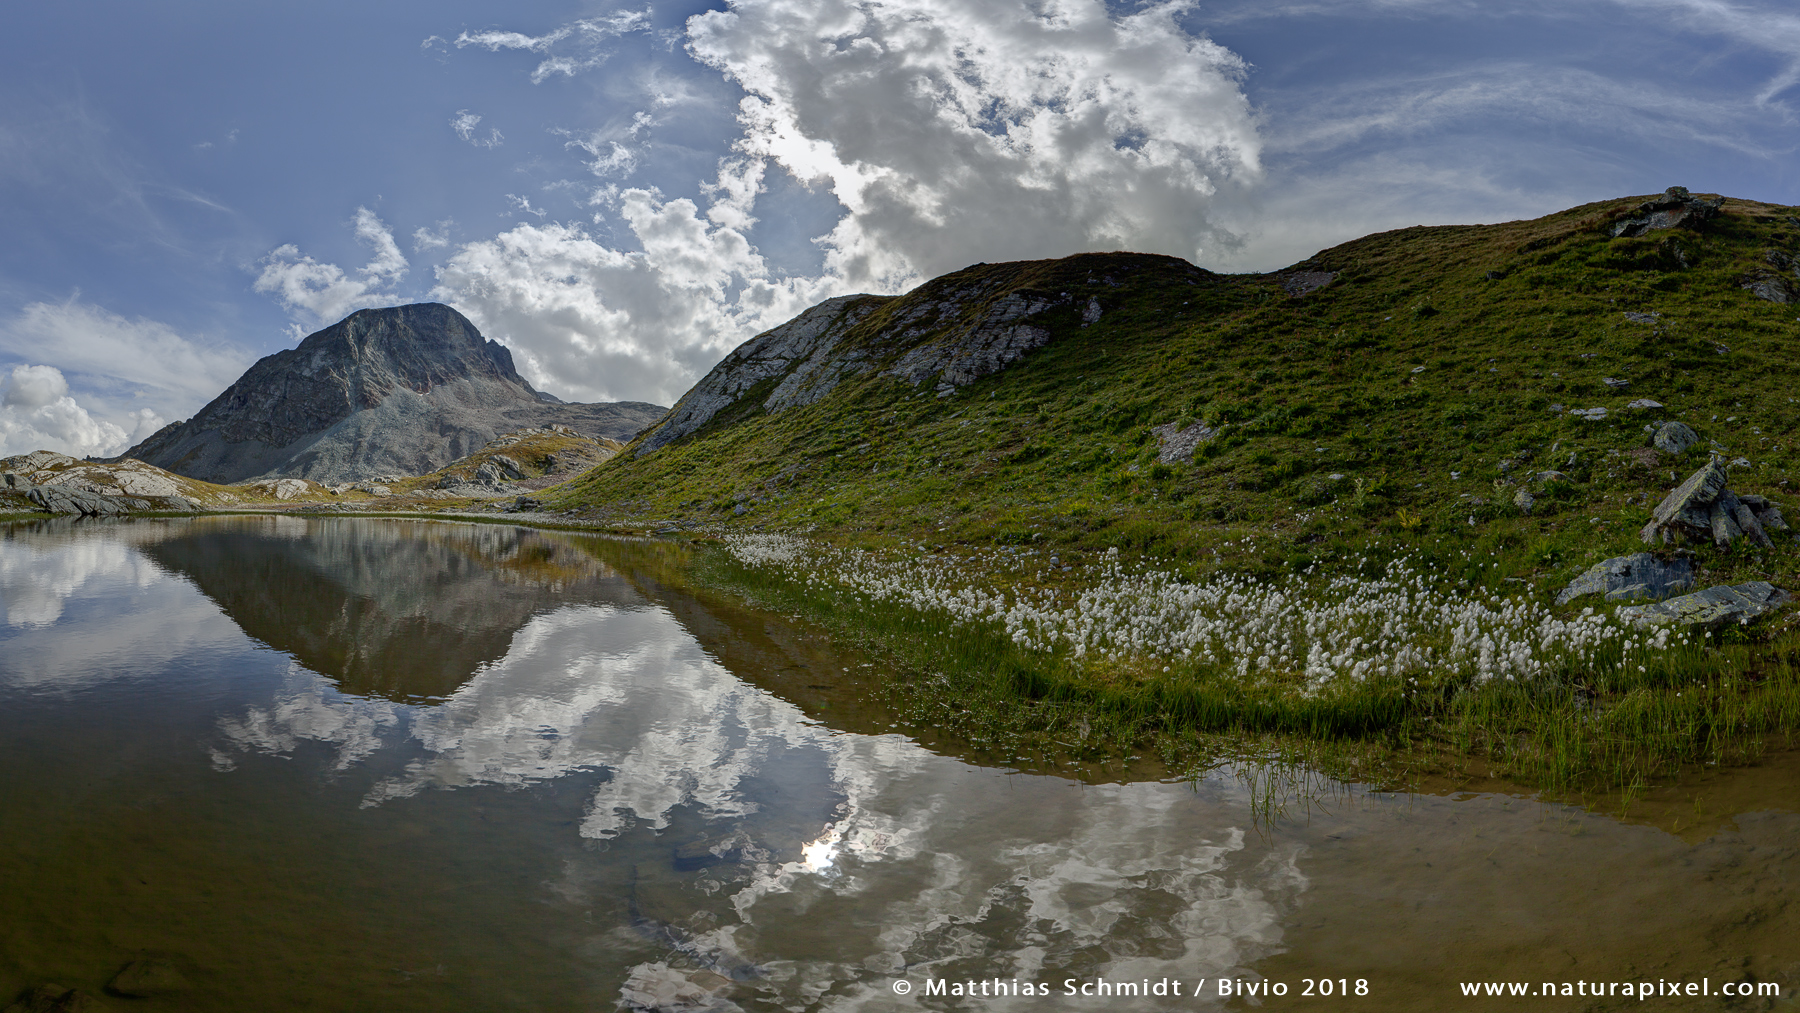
{"type": "Point", "coordinates": [1712, 608]}
{"type": "Point", "coordinates": [54, 999]}
{"type": "Point", "coordinates": [145, 979]}
{"type": "Point", "coordinates": [1639, 575]}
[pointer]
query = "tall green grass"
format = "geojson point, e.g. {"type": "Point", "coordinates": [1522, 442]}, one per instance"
{"type": "Point", "coordinates": [1606, 727]}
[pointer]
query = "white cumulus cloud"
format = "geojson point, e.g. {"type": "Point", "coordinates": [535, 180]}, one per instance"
{"type": "Point", "coordinates": [37, 413]}
{"type": "Point", "coordinates": [173, 374]}
{"type": "Point", "coordinates": [130, 377]}
{"type": "Point", "coordinates": [587, 322]}
{"type": "Point", "coordinates": [949, 132]}
{"type": "Point", "coordinates": [324, 291]}
{"type": "Point", "coordinates": [955, 131]}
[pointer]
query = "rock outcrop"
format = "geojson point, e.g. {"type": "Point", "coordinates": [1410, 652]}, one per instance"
{"type": "Point", "coordinates": [1177, 446]}
{"type": "Point", "coordinates": [1777, 285]}
{"type": "Point", "coordinates": [528, 460]}
{"type": "Point", "coordinates": [63, 485]}
{"type": "Point", "coordinates": [945, 334]}
{"type": "Point", "coordinates": [1726, 605]}
{"type": "Point", "coordinates": [1703, 507]}
{"type": "Point", "coordinates": [403, 390]}
{"type": "Point", "coordinates": [1676, 208]}
{"type": "Point", "coordinates": [1623, 578]}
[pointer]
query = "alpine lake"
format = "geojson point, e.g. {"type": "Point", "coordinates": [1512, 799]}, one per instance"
{"type": "Point", "coordinates": [273, 763]}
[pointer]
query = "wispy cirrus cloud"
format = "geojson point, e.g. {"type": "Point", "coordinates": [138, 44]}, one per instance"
{"type": "Point", "coordinates": [465, 122]}
{"type": "Point", "coordinates": [568, 50]}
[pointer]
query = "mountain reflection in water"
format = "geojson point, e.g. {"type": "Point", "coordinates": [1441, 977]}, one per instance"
{"type": "Point", "coordinates": [403, 610]}
{"type": "Point", "coordinates": [524, 773]}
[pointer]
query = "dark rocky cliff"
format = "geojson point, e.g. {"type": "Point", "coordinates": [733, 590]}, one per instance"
{"type": "Point", "coordinates": [401, 390]}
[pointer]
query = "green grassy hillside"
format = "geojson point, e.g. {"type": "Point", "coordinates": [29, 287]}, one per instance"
{"type": "Point", "coordinates": [1412, 394]}
{"type": "Point", "coordinates": [1361, 494]}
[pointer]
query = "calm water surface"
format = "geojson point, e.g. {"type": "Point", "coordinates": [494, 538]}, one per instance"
{"type": "Point", "coordinates": [377, 765]}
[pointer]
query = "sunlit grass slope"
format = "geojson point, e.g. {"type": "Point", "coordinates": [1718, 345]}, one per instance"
{"type": "Point", "coordinates": [1390, 416]}
{"type": "Point", "coordinates": [1424, 374]}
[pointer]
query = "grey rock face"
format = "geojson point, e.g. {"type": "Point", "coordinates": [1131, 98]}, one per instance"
{"type": "Point", "coordinates": [1775, 286]}
{"type": "Point", "coordinates": [1676, 208]}
{"type": "Point", "coordinates": [1772, 288]}
{"type": "Point", "coordinates": [1675, 438]}
{"type": "Point", "coordinates": [80, 502]}
{"type": "Point", "coordinates": [1639, 575]}
{"type": "Point", "coordinates": [1178, 445]}
{"type": "Point", "coordinates": [1712, 608]}
{"type": "Point", "coordinates": [1300, 283]}
{"type": "Point", "coordinates": [402, 390]}
{"type": "Point", "coordinates": [945, 334]}
{"type": "Point", "coordinates": [798, 352]}
{"type": "Point", "coordinates": [994, 340]}
{"type": "Point", "coordinates": [1703, 506]}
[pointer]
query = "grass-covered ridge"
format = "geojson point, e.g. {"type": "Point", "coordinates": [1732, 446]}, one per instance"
{"type": "Point", "coordinates": [1392, 415]}
{"type": "Point", "coordinates": [1416, 375]}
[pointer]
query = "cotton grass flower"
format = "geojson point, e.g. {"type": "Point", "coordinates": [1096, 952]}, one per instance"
{"type": "Point", "coordinates": [1400, 625]}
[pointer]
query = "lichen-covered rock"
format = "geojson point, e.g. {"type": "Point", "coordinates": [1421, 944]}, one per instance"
{"type": "Point", "coordinates": [1703, 507]}
{"type": "Point", "coordinates": [1622, 578]}
{"type": "Point", "coordinates": [1524, 500]}
{"type": "Point", "coordinates": [1712, 608]}
{"type": "Point", "coordinates": [1674, 438]}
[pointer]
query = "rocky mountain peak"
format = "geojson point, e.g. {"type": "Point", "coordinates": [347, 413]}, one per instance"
{"type": "Point", "coordinates": [401, 389]}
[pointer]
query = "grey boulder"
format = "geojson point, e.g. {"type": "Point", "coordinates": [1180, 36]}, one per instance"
{"type": "Point", "coordinates": [1703, 506]}
{"type": "Point", "coordinates": [1712, 608]}
{"type": "Point", "coordinates": [1639, 575]}
{"type": "Point", "coordinates": [1674, 438]}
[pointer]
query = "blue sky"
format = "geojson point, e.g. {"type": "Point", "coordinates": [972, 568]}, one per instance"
{"type": "Point", "coordinates": [623, 192]}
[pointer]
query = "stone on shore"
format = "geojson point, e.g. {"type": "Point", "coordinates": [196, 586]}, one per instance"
{"type": "Point", "coordinates": [1622, 578]}
{"type": "Point", "coordinates": [1710, 609]}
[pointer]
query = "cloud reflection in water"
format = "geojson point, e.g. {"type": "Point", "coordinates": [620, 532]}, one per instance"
{"type": "Point", "coordinates": [902, 860]}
